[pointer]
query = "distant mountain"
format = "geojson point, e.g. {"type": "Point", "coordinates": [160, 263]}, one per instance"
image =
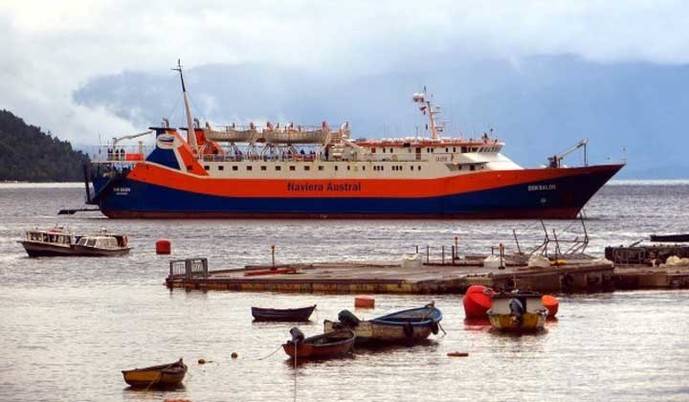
{"type": "Point", "coordinates": [29, 154]}
{"type": "Point", "coordinates": [539, 106]}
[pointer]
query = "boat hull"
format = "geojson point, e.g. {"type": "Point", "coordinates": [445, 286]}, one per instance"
{"type": "Point", "coordinates": [368, 332]}
{"type": "Point", "coordinates": [521, 194]}
{"type": "Point", "coordinates": [326, 346]}
{"type": "Point", "coordinates": [163, 376]}
{"type": "Point", "coordinates": [38, 249]}
{"type": "Point", "coordinates": [530, 322]}
{"type": "Point", "coordinates": [99, 252]}
{"type": "Point", "coordinates": [271, 314]}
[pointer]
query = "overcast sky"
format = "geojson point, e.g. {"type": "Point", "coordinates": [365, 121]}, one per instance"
{"type": "Point", "coordinates": [50, 49]}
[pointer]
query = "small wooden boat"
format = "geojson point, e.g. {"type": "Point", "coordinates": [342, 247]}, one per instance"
{"type": "Point", "coordinates": [162, 376]}
{"type": "Point", "coordinates": [406, 326]}
{"type": "Point", "coordinates": [518, 312]}
{"type": "Point", "coordinates": [286, 314]}
{"type": "Point", "coordinates": [672, 238]}
{"type": "Point", "coordinates": [325, 346]}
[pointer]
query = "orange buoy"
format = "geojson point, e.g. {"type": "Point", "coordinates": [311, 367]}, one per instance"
{"type": "Point", "coordinates": [163, 246]}
{"type": "Point", "coordinates": [477, 300]}
{"type": "Point", "coordinates": [364, 302]}
{"type": "Point", "coordinates": [551, 303]}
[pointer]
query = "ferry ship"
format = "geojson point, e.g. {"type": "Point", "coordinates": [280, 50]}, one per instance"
{"type": "Point", "coordinates": [320, 172]}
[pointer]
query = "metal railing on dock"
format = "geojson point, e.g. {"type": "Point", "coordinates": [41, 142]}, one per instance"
{"type": "Point", "coordinates": [188, 268]}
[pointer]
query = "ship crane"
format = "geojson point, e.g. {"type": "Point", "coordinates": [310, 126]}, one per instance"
{"type": "Point", "coordinates": [115, 140]}
{"type": "Point", "coordinates": [555, 161]}
{"type": "Point", "coordinates": [114, 153]}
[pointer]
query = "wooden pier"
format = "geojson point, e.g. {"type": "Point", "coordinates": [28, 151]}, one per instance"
{"type": "Point", "coordinates": [368, 277]}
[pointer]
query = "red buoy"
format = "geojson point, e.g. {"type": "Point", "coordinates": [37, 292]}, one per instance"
{"type": "Point", "coordinates": [551, 304]}
{"type": "Point", "coordinates": [364, 302]}
{"type": "Point", "coordinates": [163, 246]}
{"type": "Point", "coordinates": [477, 300]}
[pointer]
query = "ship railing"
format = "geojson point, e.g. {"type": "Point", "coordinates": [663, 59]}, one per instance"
{"type": "Point", "coordinates": [282, 127]}
{"type": "Point", "coordinates": [265, 158]}
{"type": "Point", "coordinates": [188, 268]}
{"type": "Point", "coordinates": [121, 154]}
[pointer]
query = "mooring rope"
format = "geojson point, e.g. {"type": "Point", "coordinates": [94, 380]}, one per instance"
{"type": "Point", "coordinates": [442, 329]}
{"type": "Point", "coordinates": [295, 371]}
{"type": "Point", "coordinates": [271, 353]}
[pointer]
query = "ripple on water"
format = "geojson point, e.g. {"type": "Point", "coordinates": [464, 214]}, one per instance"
{"type": "Point", "coordinates": [70, 325]}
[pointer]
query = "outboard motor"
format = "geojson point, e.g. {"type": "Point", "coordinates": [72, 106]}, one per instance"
{"type": "Point", "coordinates": [347, 318]}
{"type": "Point", "coordinates": [517, 309]}
{"type": "Point", "coordinates": [297, 335]}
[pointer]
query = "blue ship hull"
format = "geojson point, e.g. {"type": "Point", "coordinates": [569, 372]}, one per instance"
{"type": "Point", "coordinates": [560, 198]}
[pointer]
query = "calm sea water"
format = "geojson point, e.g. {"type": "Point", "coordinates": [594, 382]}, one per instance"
{"type": "Point", "coordinates": [68, 326]}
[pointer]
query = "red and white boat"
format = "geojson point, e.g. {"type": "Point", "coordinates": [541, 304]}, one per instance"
{"type": "Point", "coordinates": [319, 172]}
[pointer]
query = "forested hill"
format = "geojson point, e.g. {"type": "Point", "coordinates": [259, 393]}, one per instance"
{"type": "Point", "coordinates": [29, 154]}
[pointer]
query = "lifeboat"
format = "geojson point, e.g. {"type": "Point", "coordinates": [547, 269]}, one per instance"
{"type": "Point", "coordinates": [232, 134]}
{"type": "Point", "coordinates": [296, 135]}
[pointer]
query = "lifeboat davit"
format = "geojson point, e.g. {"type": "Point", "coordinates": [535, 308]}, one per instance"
{"type": "Point", "coordinates": [477, 300]}
{"type": "Point", "coordinates": [551, 303]}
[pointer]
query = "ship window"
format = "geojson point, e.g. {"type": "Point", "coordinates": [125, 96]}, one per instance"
{"type": "Point", "coordinates": [447, 149]}
{"type": "Point", "coordinates": [472, 167]}
{"type": "Point", "coordinates": [278, 168]}
{"type": "Point", "coordinates": [373, 150]}
{"type": "Point", "coordinates": [320, 168]}
{"type": "Point", "coordinates": [412, 167]}
{"type": "Point", "coordinates": [292, 168]}
{"type": "Point", "coordinates": [221, 167]}
{"type": "Point", "coordinates": [249, 167]}
{"type": "Point", "coordinates": [391, 150]}
{"type": "Point", "coordinates": [418, 168]}
{"type": "Point", "coordinates": [307, 167]}
{"type": "Point", "coordinates": [363, 168]}
{"type": "Point", "coordinates": [464, 149]}
{"type": "Point", "coordinates": [454, 149]}
{"type": "Point", "coordinates": [235, 167]}
{"type": "Point", "coordinates": [206, 167]}
{"type": "Point", "coordinates": [383, 149]}
{"type": "Point", "coordinates": [335, 167]}
{"type": "Point", "coordinates": [263, 168]}
{"type": "Point", "coordinates": [349, 167]}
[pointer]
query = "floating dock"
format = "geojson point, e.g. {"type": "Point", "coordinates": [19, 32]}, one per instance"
{"type": "Point", "coordinates": [371, 277]}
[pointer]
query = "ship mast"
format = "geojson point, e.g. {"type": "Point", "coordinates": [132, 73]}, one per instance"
{"type": "Point", "coordinates": [427, 107]}
{"type": "Point", "coordinates": [191, 133]}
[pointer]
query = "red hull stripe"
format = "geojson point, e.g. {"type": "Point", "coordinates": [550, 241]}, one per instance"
{"type": "Point", "coordinates": [348, 188]}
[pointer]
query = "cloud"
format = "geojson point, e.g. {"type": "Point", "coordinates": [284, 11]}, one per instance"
{"type": "Point", "coordinates": [50, 49]}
